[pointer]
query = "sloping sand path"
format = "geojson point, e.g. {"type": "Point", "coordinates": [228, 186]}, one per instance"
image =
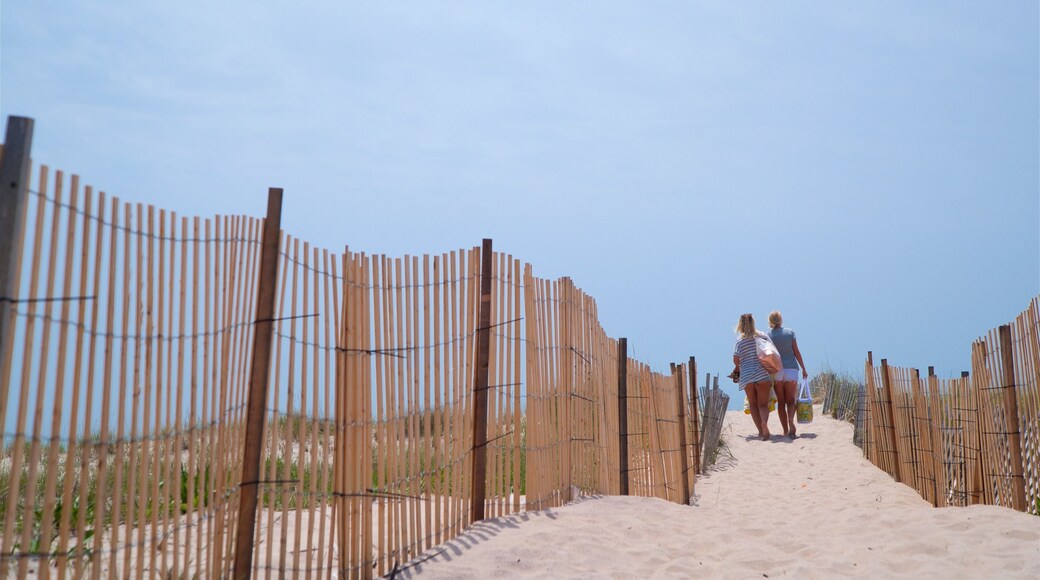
{"type": "Point", "coordinates": [807, 508]}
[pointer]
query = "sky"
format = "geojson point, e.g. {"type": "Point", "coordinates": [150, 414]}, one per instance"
{"type": "Point", "coordinates": [872, 170]}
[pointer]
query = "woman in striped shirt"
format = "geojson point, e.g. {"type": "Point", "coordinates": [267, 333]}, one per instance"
{"type": "Point", "coordinates": [753, 376]}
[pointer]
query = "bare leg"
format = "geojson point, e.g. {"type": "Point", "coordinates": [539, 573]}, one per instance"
{"type": "Point", "coordinates": [781, 407]}
{"type": "Point", "coordinates": [756, 415]}
{"type": "Point", "coordinates": [791, 393]}
{"type": "Point", "coordinates": [762, 396]}
{"type": "Point", "coordinates": [764, 410]}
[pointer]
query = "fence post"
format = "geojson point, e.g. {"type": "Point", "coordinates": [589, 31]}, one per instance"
{"type": "Point", "coordinates": [1018, 482]}
{"type": "Point", "coordinates": [695, 411]}
{"type": "Point", "coordinates": [259, 377]}
{"type": "Point", "coordinates": [14, 187]}
{"type": "Point", "coordinates": [935, 421]}
{"type": "Point", "coordinates": [887, 380]}
{"type": "Point", "coordinates": [869, 420]}
{"type": "Point", "coordinates": [684, 461]}
{"type": "Point", "coordinates": [709, 403]}
{"type": "Point", "coordinates": [622, 394]}
{"type": "Point", "coordinates": [568, 313]}
{"type": "Point", "coordinates": [480, 386]}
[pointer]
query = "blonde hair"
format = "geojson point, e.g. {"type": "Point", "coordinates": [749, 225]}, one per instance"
{"type": "Point", "coordinates": [776, 319]}
{"type": "Point", "coordinates": [746, 326]}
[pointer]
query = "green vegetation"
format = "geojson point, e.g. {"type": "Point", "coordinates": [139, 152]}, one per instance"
{"type": "Point", "coordinates": [128, 470]}
{"type": "Point", "coordinates": [140, 477]}
{"type": "Point", "coordinates": [839, 390]}
{"type": "Point", "coordinates": [721, 452]}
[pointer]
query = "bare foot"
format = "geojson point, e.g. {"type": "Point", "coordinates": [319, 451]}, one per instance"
{"type": "Point", "coordinates": [793, 434]}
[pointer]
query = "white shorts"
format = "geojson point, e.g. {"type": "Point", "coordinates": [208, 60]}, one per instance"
{"type": "Point", "coordinates": [786, 376]}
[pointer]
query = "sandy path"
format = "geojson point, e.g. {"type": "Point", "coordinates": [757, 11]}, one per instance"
{"type": "Point", "coordinates": [808, 508]}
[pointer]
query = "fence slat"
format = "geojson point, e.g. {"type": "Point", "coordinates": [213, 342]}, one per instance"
{"type": "Point", "coordinates": [64, 525]}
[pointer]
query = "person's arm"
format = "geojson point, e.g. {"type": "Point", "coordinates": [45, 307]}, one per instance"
{"type": "Point", "coordinates": [736, 363]}
{"type": "Point", "coordinates": [798, 355]}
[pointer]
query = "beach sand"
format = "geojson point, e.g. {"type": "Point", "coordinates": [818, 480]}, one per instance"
{"type": "Point", "coordinates": [808, 508]}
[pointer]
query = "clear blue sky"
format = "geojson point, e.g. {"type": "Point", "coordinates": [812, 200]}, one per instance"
{"type": "Point", "coordinates": [872, 169]}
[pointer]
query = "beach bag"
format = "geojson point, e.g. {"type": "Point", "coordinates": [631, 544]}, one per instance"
{"type": "Point", "coordinates": [768, 355]}
{"type": "Point", "coordinates": [772, 402]}
{"type": "Point", "coordinates": [804, 408]}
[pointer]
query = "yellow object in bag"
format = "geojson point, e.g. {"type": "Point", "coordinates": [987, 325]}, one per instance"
{"type": "Point", "coordinates": [772, 402]}
{"type": "Point", "coordinates": [805, 410]}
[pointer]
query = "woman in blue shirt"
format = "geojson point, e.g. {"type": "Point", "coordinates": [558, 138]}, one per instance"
{"type": "Point", "coordinates": [753, 376]}
{"type": "Point", "coordinates": [786, 380]}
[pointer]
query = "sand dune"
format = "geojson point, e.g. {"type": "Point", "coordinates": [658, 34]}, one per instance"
{"type": "Point", "coordinates": [808, 508]}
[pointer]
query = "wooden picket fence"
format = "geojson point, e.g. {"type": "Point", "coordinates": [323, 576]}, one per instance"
{"type": "Point", "coordinates": [973, 439]}
{"type": "Point", "coordinates": [715, 404]}
{"type": "Point", "coordinates": [843, 399]}
{"type": "Point", "coordinates": [214, 397]}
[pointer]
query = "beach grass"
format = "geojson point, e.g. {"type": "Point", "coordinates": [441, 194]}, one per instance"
{"type": "Point", "coordinates": [297, 466]}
